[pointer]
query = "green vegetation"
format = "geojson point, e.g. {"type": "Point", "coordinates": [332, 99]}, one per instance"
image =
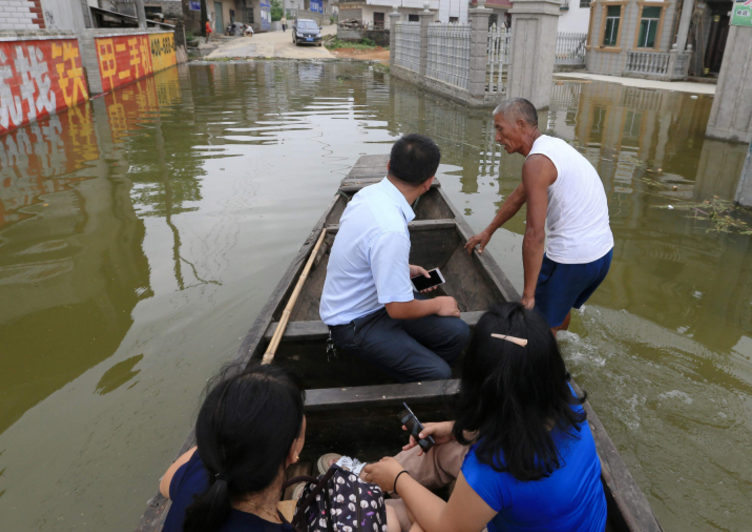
{"type": "Point", "coordinates": [365, 44]}
{"type": "Point", "coordinates": [189, 35]}
{"type": "Point", "coordinates": [277, 10]}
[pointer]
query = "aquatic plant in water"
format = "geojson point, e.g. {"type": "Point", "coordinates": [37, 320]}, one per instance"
{"type": "Point", "coordinates": [724, 215]}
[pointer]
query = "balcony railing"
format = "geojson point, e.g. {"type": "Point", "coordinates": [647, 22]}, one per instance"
{"type": "Point", "coordinates": [570, 48]}
{"type": "Point", "coordinates": [647, 63]}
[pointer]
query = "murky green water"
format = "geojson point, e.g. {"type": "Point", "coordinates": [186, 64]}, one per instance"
{"type": "Point", "coordinates": [141, 233]}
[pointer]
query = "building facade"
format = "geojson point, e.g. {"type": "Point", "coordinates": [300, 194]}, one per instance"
{"type": "Point", "coordinates": [255, 13]}
{"type": "Point", "coordinates": [575, 16]}
{"type": "Point", "coordinates": [636, 38]}
{"type": "Point", "coordinates": [374, 14]}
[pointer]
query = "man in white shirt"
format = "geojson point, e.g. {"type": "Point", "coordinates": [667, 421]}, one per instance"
{"type": "Point", "coordinates": [566, 204]}
{"type": "Point", "coordinates": [368, 300]}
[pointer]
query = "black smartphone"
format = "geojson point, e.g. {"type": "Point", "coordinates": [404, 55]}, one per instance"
{"type": "Point", "coordinates": [421, 282]}
{"type": "Point", "coordinates": [413, 426]}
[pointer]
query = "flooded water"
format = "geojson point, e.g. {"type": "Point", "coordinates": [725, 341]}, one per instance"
{"type": "Point", "coordinates": [141, 233]}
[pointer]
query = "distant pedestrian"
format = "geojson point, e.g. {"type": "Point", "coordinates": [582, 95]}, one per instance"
{"type": "Point", "coordinates": [283, 20]}
{"type": "Point", "coordinates": [248, 30]}
{"type": "Point", "coordinates": [208, 30]}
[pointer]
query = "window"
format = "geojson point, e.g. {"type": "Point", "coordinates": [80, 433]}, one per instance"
{"type": "Point", "coordinates": [247, 14]}
{"type": "Point", "coordinates": [454, 19]}
{"type": "Point", "coordinates": [378, 21]}
{"type": "Point", "coordinates": [585, 3]}
{"type": "Point", "coordinates": [651, 17]}
{"type": "Point", "coordinates": [413, 18]}
{"type": "Point", "coordinates": [613, 14]}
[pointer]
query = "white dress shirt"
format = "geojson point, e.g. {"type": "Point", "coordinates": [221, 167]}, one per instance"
{"type": "Point", "coordinates": [369, 261]}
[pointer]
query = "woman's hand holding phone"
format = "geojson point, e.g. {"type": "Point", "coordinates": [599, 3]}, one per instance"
{"type": "Point", "coordinates": [441, 433]}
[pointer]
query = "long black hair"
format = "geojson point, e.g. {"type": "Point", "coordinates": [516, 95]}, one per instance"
{"type": "Point", "coordinates": [244, 432]}
{"type": "Point", "coordinates": [510, 395]}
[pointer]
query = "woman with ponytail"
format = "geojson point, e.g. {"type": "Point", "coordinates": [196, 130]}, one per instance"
{"type": "Point", "coordinates": [249, 429]}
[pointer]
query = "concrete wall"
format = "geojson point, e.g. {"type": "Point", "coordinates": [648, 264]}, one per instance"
{"type": "Point", "coordinates": [115, 57]}
{"type": "Point", "coordinates": [62, 15]}
{"type": "Point", "coordinates": [380, 37]}
{"type": "Point", "coordinates": [41, 74]}
{"type": "Point", "coordinates": [21, 15]}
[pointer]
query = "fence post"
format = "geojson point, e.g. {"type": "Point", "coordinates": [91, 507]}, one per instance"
{"type": "Point", "coordinates": [534, 32]}
{"type": "Point", "coordinates": [426, 17]}
{"type": "Point", "coordinates": [394, 17]}
{"type": "Point", "coordinates": [476, 83]}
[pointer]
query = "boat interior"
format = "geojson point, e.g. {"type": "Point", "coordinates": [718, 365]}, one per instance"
{"type": "Point", "coordinates": [436, 243]}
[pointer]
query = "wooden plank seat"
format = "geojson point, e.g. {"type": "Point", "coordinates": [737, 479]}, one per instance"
{"type": "Point", "coordinates": [318, 330]}
{"type": "Point", "coordinates": [382, 395]}
{"type": "Point", "coordinates": [415, 225]}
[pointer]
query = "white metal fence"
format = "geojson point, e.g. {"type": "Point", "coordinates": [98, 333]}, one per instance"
{"type": "Point", "coordinates": [648, 63]}
{"type": "Point", "coordinates": [498, 55]}
{"type": "Point", "coordinates": [570, 48]}
{"type": "Point", "coordinates": [449, 53]}
{"type": "Point", "coordinates": [407, 53]}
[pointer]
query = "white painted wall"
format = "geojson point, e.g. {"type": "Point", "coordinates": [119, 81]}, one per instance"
{"type": "Point", "coordinates": [574, 20]}
{"type": "Point", "coordinates": [444, 8]}
{"type": "Point", "coordinates": [453, 8]}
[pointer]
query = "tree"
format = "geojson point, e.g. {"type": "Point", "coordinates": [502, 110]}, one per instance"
{"type": "Point", "coordinates": [277, 10]}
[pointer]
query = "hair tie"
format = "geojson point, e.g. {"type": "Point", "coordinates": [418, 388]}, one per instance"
{"type": "Point", "coordinates": [522, 342]}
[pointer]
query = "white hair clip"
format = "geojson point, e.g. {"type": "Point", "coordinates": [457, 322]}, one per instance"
{"type": "Point", "coordinates": [522, 342]}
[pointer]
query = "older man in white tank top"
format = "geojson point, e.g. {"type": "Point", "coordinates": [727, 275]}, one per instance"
{"type": "Point", "coordinates": [566, 203]}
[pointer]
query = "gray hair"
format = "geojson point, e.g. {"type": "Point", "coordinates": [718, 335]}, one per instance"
{"type": "Point", "coordinates": [518, 108]}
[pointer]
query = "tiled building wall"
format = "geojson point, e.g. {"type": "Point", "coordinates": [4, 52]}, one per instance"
{"type": "Point", "coordinates": [21, 15]}
{"type": "Point", "coordinates": [613, 63]}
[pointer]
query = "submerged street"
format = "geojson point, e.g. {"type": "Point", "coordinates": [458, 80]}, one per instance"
{"type": "Point", "coordinates": [142, 232]}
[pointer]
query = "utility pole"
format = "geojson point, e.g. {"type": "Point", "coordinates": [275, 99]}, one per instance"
{"type": "Point", "coordinates": [141, 14]}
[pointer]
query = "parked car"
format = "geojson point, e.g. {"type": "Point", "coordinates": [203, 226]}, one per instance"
{"type": "Point", "coordinates": [306, 31]}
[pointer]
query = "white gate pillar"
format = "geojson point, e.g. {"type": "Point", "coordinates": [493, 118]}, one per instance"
{"type": "Point", "coordinates": [731, 114]}
{"type": "Point", "coordinates": [426, 17]}
{"type": "Point", "coordinates": [394, 17]}
{"type": "Point", "coordinates": [535, 24]}
{"type": "Point", "coordinates": [476, 84]}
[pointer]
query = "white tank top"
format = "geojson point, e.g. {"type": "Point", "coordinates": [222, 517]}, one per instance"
{"type": "Point", "coordinates": [577, 230]}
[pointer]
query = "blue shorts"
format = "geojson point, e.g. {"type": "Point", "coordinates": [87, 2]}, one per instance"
{"type": "Point", "coordinates": [563, 286]}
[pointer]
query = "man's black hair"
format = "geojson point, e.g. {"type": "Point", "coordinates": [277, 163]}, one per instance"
{"type": "Point", "coordinates": [414, 159]}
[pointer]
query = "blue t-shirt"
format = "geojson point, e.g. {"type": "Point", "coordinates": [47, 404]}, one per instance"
{"type": "Point", "coordinates": [570, 499]}
{"type": "Point", "coordinates": [192, 479]}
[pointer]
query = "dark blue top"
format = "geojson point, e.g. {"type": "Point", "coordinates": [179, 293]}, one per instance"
{"type": "Point", "coordinates": [192, 479]}
{"type": "Point", "coordinates": [571, 498]}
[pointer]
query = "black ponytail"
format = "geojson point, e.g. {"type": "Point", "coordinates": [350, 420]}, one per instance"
{"type": "Point", "coordinates": [210, 509]}
{"type": "Point", "coordinates": [245, 428]}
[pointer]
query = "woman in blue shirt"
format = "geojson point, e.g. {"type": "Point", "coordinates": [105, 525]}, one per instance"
{"type": "Point", "coordinates": [530, 462]}
{"type": "Point", "coordinates": [249, 429]}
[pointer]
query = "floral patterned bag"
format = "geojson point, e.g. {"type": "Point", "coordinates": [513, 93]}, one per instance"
{"type": "Point", "coordinates": [339, 501]}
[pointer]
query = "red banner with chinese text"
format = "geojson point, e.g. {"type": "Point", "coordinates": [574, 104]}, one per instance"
{"type": "Point", "coordinates": [123, 59]}
{"type": "Point", "coordinates": [38, 78]}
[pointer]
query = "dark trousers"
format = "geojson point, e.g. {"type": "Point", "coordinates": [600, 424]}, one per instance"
{"type": "Point", "coordinates": [408, 350]}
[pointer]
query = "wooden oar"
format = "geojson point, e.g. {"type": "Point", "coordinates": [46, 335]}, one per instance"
{"type": "Point", "coordinates": [282, 325]}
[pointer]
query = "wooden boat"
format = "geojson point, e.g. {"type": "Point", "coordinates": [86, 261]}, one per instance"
{"type": "Point", "coordinates": [351, 408]}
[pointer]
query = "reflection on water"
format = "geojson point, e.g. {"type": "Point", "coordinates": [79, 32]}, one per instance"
{"type": "Point", "coordinates": [141, 233]}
